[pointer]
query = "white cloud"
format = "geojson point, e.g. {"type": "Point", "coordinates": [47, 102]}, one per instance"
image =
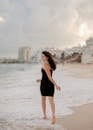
{"type": "Point", "coordinates": [44, 23]}
{"type": "Point", "coordinates": [84, 30]}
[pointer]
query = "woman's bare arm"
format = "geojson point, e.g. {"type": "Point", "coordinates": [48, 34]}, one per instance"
{"type": "Point", "coordinates": [48, 72]}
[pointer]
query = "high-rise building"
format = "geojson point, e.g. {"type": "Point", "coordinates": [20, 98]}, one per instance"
{"type": "Point", "coordinates": [24, 54]}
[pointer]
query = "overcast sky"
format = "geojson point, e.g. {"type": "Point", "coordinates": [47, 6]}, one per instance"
{"type": "Point", "coordinates": [41, 23]}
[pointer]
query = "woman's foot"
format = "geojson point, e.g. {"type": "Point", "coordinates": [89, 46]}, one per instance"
{"type": "Point", "coordinates": [53, 120]}
{"type": "Point", "coordinates": [44, 117]}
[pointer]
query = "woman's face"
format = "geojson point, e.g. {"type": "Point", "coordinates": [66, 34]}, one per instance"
{"type": "Point", "coordinates": [44, 58]}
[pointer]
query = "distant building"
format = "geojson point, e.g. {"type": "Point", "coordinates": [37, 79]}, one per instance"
{"type": "Point", "coordinates": [24, 54]}
{"type": "Point", "coordinates": [71, 51]}
{"type": "Point", "coordinates": [56, 53]}
{"type": "Point", "coordinates": [87, 55]}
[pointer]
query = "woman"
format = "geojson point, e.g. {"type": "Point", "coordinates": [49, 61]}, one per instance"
{"type": "Point", "coordinates": [47, 84]}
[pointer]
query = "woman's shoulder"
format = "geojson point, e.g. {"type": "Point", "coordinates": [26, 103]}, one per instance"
{"type": "Point", "coordinates": [47, 66]}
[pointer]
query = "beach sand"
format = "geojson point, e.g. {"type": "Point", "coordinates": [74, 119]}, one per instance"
{"type": "Point", "coordinates": [79, 70]}
{"type": "Point", "coordinates": [82, 119]}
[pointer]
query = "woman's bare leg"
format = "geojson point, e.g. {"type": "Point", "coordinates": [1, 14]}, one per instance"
{"type": "Point", "coordinates": [52, 104]}
{"type": "Point", "coordinates": [44, 106]}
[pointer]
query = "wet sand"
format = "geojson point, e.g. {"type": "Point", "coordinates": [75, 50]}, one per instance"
{"type": "Point", "coordinates": [82, 119]}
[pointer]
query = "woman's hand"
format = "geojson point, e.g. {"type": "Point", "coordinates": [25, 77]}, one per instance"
{"type": "Point", "coordinates": [58, 87]}
{"type": "Point", "coordinates": [38, 80]}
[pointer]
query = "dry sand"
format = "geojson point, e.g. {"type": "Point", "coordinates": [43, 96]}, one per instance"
{"type": "Point", "coordinates": [79, 70]}
{"type": "Point", "coordinates": [82, 119]}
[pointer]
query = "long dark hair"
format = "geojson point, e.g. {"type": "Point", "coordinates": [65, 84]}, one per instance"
{"type": "Point", "coordinates": [50, 59]}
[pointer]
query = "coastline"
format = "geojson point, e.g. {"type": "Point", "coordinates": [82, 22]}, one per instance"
{"type": "Point", "coordinates": [20, 110]}
{"type": "Point", "coordinates": [82, 119]}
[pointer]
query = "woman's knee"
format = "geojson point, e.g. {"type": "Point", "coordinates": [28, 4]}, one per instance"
{"type": "Point", "coordinates": [51, 100]}
{"type": "Point", "coordinates": [43, 99]}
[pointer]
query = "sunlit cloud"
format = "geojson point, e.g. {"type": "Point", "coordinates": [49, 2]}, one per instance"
{"type": "Point", "coordinates": [84, 30]}
{"type": "Point", "coordinates": [2, 20]}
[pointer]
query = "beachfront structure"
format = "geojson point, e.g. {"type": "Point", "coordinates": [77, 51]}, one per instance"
{"type": "Point", "coordinates": [70, 51]}
{"type": "Point", "coordinates": [87, 55]}
{"type": "Point", "coordinates": [37, 56]}
{"type": "Point", "coordinates": [24, 54]}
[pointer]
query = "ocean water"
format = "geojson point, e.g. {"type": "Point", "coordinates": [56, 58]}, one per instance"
{"type": "Point", "coordinates": [20, 97]}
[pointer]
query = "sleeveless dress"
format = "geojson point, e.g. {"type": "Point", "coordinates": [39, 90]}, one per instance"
{"type": "Point", "coordinates": [46, 86]}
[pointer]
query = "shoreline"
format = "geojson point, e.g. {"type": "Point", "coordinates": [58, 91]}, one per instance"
{"type": "Point", "coordinates": [20, 110]}
{"type": "Point", "coordinates": [78, 70]}
{"type": "Point", "coordinates": [81, 119]}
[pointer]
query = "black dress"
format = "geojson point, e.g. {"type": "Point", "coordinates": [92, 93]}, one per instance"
{"type": "Point", "coordinates": [46, 86]}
